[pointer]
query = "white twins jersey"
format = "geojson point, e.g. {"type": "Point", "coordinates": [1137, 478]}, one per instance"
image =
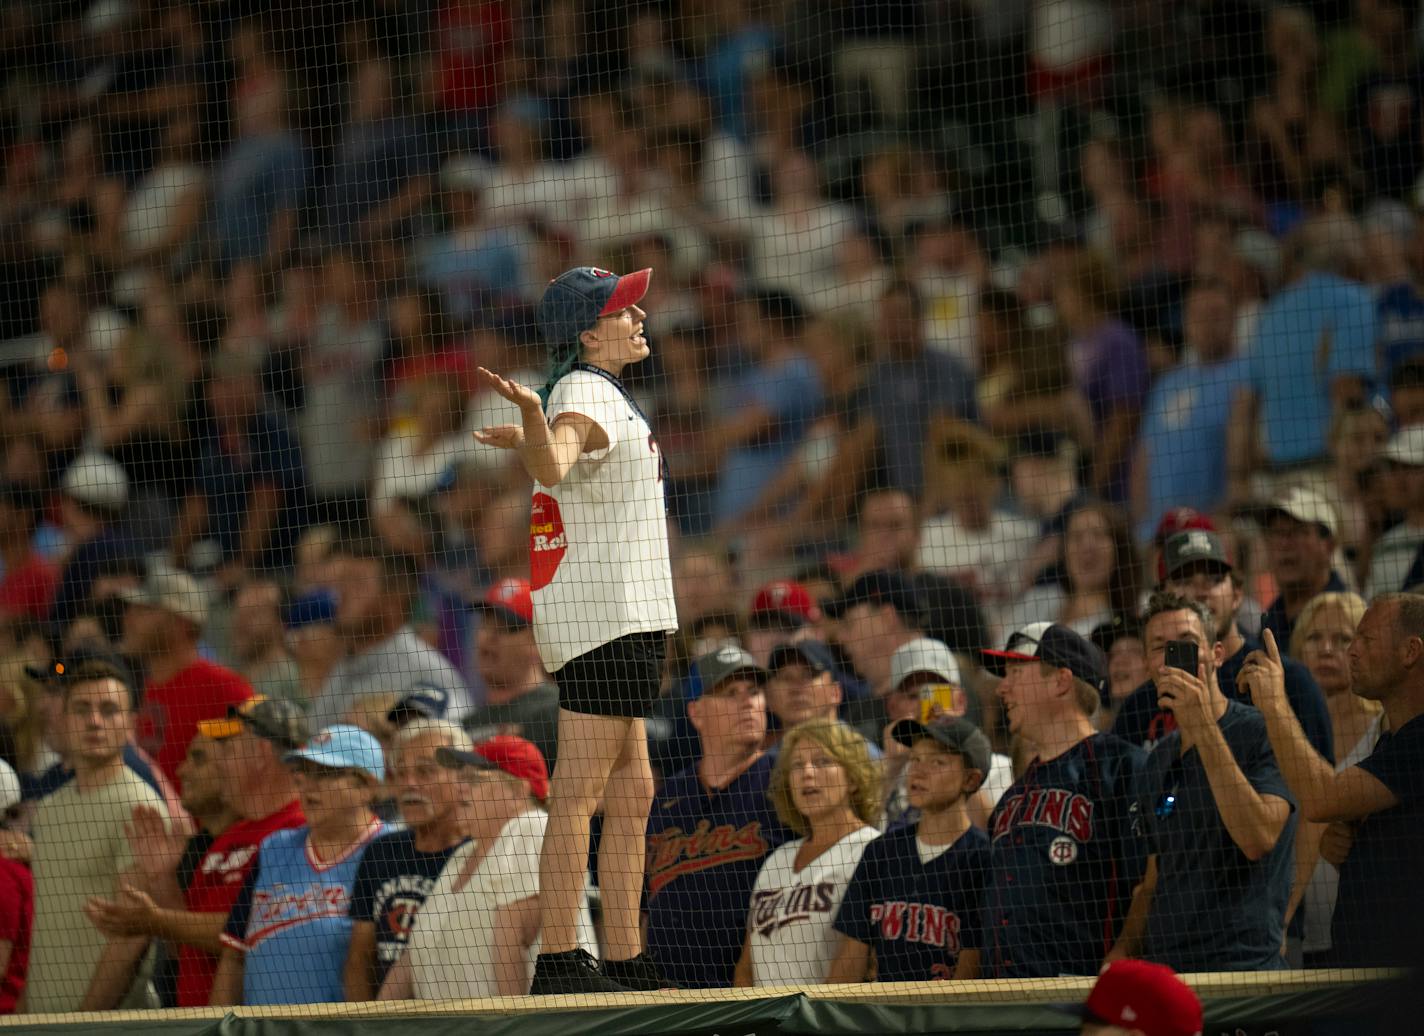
{"type": "Point", "coordinates": [789, 923]}
{"type": "Point", "coordinates": [598, 545]}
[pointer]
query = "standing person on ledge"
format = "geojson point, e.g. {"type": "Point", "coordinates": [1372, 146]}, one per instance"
{"type": "Point", "coordinates": [601, 581]}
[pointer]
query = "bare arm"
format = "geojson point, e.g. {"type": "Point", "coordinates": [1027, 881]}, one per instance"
{"type": "Point", "coordinates": [192, 522]}
{"type": "Point", "coordinates": [516, 926]}
{"type": "Point", "coordinates": [1324, 796]}
{"type": "Point", "coordinates": [1307, 855]}
{"type": "Point", "coordinates": [227, 983]}
{"type": "Point", "coordinates": [358, 977]}
{"type": "Point", "coordinates": [114, 973]}
{"type": "Point", "coordinates": [1254, 821]}
{"type": "Point", "coordinates": [742, 976]}
{"type": "Point", "coordinates": [1137, 482]}
{"type": "Point", "coordinates": [400, 981]}
{"type": "Point", "coordinates": [851, 964]}
{"type": "Point", "coordinates": [263, 505]}
{"type": "Point", "coordinates": [1134, 926]}
{"type": "Point", "coordinates": [548, 453]}
{"type": "Point", "coordinates": [970, 961]}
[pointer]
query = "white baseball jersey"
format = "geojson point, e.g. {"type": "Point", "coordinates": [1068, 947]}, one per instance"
{"type": "Point", "coordinates": [598, 547]}
{"type": "Point", "coordinates": [451, 947]}
{"type": "Point", "coordinates": [789, 923]}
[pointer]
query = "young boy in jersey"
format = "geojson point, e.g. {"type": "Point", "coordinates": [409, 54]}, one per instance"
{"type": "Point", "coordinates": [911, 912]}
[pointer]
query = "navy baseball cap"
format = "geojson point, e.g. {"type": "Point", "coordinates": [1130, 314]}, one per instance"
{"type": "Point", "coordinates": [575, 299]}
{"type": "Point", "coordinates": [812, 653]}
{"type": "Point", "coordinates": [1054, 644]}
{"type": "Point", "coordinates": [886, 586]}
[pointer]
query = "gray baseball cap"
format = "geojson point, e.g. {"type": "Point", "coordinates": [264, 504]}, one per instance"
{"type": "Point", "coordinates": [955, 733]}
{"type": "Point", "coordinates": [725, 663]}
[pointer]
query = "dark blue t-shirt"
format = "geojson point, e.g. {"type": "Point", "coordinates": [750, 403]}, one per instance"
{"type": "Point", "coordinates": [1140, 722]}
{"type": "Point", "coordinates": [917, 917]}
{"type": "Point", "coordinates": [705, 848]}
{"type": "Point", "coordinates": [1214, 909]}
{"type": "Point", "coordinates": [1378, 912]}
{"type": "Point", "coordinates": [391, 884]}
{"type": "Point", "coordinates": [1063, 862]}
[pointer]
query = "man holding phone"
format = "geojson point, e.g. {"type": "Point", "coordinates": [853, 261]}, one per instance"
{"type": "Point", "coordinates": [1214, 810]}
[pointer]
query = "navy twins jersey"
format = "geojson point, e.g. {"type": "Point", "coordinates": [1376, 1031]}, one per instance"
{"type": "Point", "coordinates": [705, 849]}
{"type": "Point", "coordinates": [917, 917]}
{"type": "Point", "coordinates": [1063, 862]}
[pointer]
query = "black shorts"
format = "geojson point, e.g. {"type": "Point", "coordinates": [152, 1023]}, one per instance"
{"type": "Point", "coordinates": [620, 678]}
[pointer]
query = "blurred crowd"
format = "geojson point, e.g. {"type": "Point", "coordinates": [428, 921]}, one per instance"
{"type": "Point", "coordinates": [966, 320]}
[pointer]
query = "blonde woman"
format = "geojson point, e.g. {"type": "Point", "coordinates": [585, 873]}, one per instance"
{"type": "Point", "coordinates": [1321, 639]}
{"type": "Point", "coordinates": [826, 788]}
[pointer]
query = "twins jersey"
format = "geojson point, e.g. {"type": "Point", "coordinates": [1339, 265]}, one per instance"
{"type": "Point", "coordinates": [916, 916]}
{"type": "Point", "coordinates": [392, 881]}
{"type": "Point", "coordinates": [1063, 862]}
{"type": "Point", "coordinates": [217, 880]}
{"type": "Point", "coordinates": [292, 921]}
{"type": "Point", "coordinates": [790, 931]}
{"type": "Point", "coordinates": [705, 848]}
{"type": "Point", "coordinates": [598, 550]}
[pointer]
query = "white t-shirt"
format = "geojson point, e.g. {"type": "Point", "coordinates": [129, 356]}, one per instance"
{"type": "Point", "coordinates": [452, 944]}
{"type": "Point", "coordinates": [789, 921]}
{"type": "Point", "coordinates": [598, 543]}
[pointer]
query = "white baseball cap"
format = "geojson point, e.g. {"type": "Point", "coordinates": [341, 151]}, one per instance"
{"type": "Point", "coordinates": [98, 480]}
{"type": "Point", "coordinates": [1304, 505]}
{"type": "Point", "coordinates": [924, 655]}
{"type": "Point", "coordinates": [1406, 447]}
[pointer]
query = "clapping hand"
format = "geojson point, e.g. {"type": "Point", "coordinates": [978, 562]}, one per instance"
{"type": "Point", "coordinates": [157, 845]}
{"type": "Point", "coordinates": [130, 913]}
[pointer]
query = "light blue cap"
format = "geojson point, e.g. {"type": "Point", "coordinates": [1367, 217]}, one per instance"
{"type": "Point", "coordinates": [343, 747]}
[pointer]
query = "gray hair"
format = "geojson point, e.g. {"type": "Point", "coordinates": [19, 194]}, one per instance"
{"type": "Point", "coordinates": [453, 734]}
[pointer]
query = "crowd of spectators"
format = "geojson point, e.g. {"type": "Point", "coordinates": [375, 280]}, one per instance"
{"type": "Point", "coordinates": [966, 321]}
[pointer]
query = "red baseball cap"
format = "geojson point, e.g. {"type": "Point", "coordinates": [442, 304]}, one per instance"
{"type": "Point", "coordinates": [787, 597]}
{"type": "Point", "coordinates": [509, 598]}
{"type": "Point", "coordinates": [1137, 994]}
{"type": "Point", "coordinates": [514, 755]}
{"type": "Point", "coordinates": [1178, 519]}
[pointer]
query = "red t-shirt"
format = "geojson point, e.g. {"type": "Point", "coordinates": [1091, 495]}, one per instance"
{"type": "Point", "coordinates": [17, 918]}
{"type": "Point", "coordinates": [28, 588]}
{"type": "Point", "coordinates": [216, 882]}
{"type": "Point", "coordinates": [172, 710]}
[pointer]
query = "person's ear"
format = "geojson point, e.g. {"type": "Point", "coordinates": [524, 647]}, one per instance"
{"type": "Point", "coordinates": [973, 780]}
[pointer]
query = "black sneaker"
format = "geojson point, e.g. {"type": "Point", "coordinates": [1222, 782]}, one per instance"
{"type": "Point", "coordinates": [574, 971]}
{"type": "Point", "coordinates": [637, 973]}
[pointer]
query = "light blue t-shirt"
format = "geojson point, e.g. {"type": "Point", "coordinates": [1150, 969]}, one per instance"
{"type": "Point", "coordinates": [1184, 437]}
{"type": "Point", "coordinates": [791, 391]}
{"type": "Point", "coordinates": [1318, 329]}
{"type": "Point", "coordinates": [292, 921]}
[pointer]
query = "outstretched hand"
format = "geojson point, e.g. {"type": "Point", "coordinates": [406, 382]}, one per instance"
{"type": "Point", "coordinates": [521, 396]}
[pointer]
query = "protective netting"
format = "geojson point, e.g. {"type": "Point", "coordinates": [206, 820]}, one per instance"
{"type": "Point", "coordinates": [996, 500]}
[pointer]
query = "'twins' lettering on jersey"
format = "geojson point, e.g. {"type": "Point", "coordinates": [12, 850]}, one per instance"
{"type": "Point", "coordinates": [917, 922]}
{"type": "Point", "coordinates": [673, 853]}
{"type": "Point", "coordinates": [547, 540]}
{"type": "Point", "coordinates": [773, 909]}
{"type": "Point", "coordinates": [1058, 808]}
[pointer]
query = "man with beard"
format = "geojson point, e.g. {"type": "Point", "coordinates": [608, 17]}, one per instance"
{"type": "Point", "coordinates": [399, 869]}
